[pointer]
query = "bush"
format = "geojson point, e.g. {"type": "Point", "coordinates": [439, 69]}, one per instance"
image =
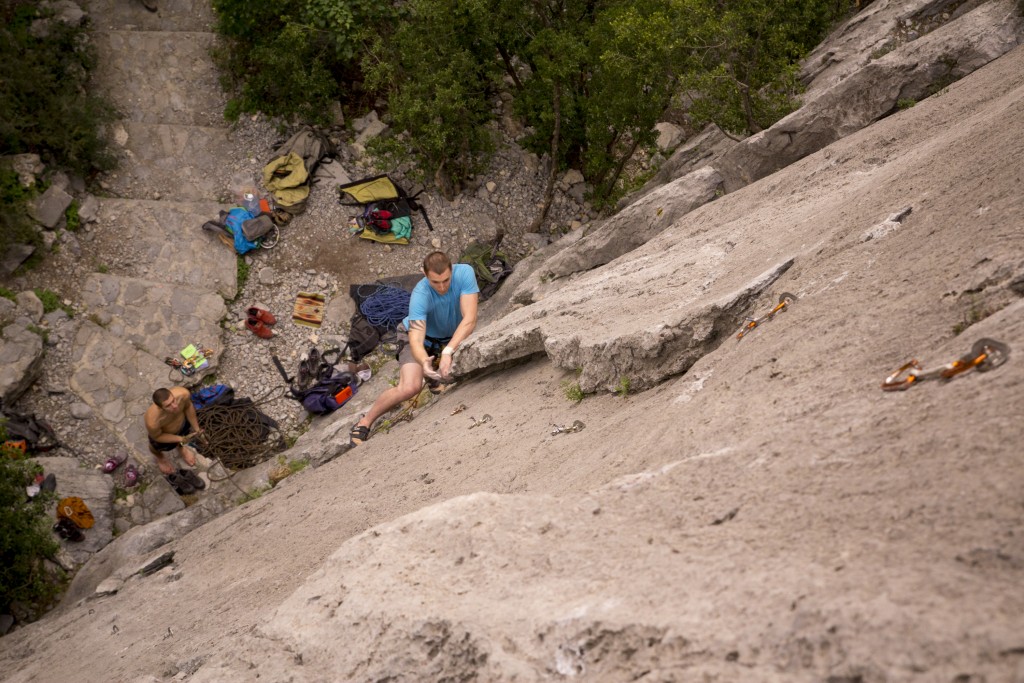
{"type": "Point", "coordinates": [45, 109]}
{"type": "Point", "coordinates": [45, 106]}
{"type": "Point", "coordinates": [26, 539]}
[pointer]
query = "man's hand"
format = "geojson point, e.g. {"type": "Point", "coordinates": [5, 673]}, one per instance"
{"type": "Point", "coordinates": [446, 365]}
{"type": "Point", "coordinates": [428, 369]}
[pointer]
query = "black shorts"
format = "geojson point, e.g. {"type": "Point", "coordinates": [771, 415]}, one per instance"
{"type": "Point", "coordinates": [186, 428]}
{"type": "Point", "coordinates": [432, 346]}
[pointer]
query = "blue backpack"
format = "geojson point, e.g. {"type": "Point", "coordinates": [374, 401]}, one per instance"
{"type": "Point", "coordinates": [212, 395]}
{"type": "Point", "coordinates": [231, 222]}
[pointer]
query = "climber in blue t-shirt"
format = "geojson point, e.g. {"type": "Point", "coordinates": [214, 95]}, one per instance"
{"type": "Point", "coordinates": [442, 313]}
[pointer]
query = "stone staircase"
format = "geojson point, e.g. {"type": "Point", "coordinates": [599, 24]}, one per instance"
{"type": "Point", "coordinates": [173, 142]}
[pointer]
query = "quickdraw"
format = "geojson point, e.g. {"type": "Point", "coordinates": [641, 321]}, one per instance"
{"type": "Point", "coordinates": [185, 367]}
{"type": "Point", "coordinates": [785, 299]}
{"type": "Point", "coordinates": [986, 354]}
{"type": "Point", "coordinates": [576, 426]}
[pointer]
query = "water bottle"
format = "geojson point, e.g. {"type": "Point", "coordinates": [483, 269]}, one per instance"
{"type": "Point", "coordinates": [251, 203]}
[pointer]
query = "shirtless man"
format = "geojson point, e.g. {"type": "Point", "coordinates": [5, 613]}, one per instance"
{"type": "Point", "coordinates": [169, 420]}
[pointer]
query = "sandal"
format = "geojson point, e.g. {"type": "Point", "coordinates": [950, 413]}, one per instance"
{"type": "Point", "coordinates": [192, 478]}
{"type": "Point", "coordinates": [358, 435]}
{"type": "Point", "coordinates": [68, 530]}
{"type": "Point", "coordinates": [131, 476]}
{"type": "Point", "coordinates": [113, 462]}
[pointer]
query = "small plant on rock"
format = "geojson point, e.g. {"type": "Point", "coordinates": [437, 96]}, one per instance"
{"type": "Point", "coordinates": [572, 391]}
{"type": "Point", "coordinates": [622, 388]}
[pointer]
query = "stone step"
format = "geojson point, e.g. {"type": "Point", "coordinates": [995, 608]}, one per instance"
{"type": "Point", "coordinates": [168, 244]}
{"type": "Point", "coordinates": [173, 15]}
{"type": "Point", "coordinates": [157, 317]}
{"type": "Point", "coordinates": [128, 61]}
{"type": "Point", "coordinates": [170, 161]}
{"type": "Point", "coordinates": [117, 381]}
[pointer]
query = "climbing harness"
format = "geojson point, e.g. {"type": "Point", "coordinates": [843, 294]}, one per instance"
{"type": "Point", "coordinates": [986, 354]}
{"type": "Point", "coordinates": [785, 299]}
{"type": "Point", "coordinates": [576, 426]}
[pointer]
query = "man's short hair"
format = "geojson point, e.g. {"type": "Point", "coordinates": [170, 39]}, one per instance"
{"type": "Point", "coordinates": [160, 396]}
{"type": "Point", "coordinates": [437, 262]}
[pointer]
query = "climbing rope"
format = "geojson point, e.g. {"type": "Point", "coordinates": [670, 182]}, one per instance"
{"type": "Point", "coordinates": [238, 435]}
{"type": "Point", "coordinates": [385, 307]}
{"type": "Point", "coordinates": [785, 299]}
{"type": "Point", "coordinates": [986, 354]}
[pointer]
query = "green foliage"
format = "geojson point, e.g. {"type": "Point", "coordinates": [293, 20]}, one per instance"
{"type": "Point", "coordinates": [439, 73]}
{"type": "Point", "coordinates": [572, 391]}
{"type": "Point", "coordinates": [622, 388]}
{"type": "Point", "coordinates": [291, 58]}
{"type": "Point", "coordinates": [73, 222]}
{"type": "Point", "coordinates": [905, 103]}
{"type": "Point", "coordinates": [15, 225]}
{"type": "Point", "coordinates": [253, 494]}
{"type": "Point", "coordinates": [41, 331]}
{"type": "Point", "coordinates": [242, 274]}
{"type": "Point", "coordinates": [26, 539]}
{"type": "Point", "coordinates": [51, 301]}
{"type": "Point", "coordinates": [45, 106]}
{"type": "Point", "coordinates": [8, 294]}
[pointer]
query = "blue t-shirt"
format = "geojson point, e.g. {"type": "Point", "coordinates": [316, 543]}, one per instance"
{"type": "Point", "coordinates": [442, 313]}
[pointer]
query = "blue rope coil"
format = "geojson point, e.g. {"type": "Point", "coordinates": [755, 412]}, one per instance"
{"type": "Point", "coordinates": [385, 307]}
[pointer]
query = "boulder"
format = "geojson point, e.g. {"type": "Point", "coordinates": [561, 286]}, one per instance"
{"type": "Point", "coordinates": [635, 225]}
{"type": "Point", "coordinates": [669, 135]}
{"type": "Point", "coordinates": [29, 304]}
{"type": "Point", "coordinates": [48, 209]}
{"type": "Point", "coordinates": [22, 351]}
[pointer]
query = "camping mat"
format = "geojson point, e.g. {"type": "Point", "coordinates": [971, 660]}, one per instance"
{"type": "Point", "coordinates": [386, 238]}
{"type": "Point", "coordinates": [309, 309]}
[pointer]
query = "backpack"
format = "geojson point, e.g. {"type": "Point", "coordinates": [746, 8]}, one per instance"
{"type": "Point", "coordinates": [212, 395]}
{"type": "Point", "coordinates": [320, 387]}
{"type": "Point", "coordinates": [490, 266]}
{"type": "Point", "coordinates": [362, 338]}
{"type": "Point", "coordinates": [26, 433]}
{"type": "Point", "coordinates": [231, 223]}
{"type": "Point", "coordinates": [377, 196]}
{"type": "Point", "coordinates": [292, 168]}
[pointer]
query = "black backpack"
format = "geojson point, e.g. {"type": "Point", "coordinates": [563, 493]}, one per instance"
{"type": "Point", "coordinates": [320, 387]}
{"type": "Point", "coordinates": [38, 436]}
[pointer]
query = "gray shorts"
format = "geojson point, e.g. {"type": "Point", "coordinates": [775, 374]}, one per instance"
{"type": "Point", "coordinates": [405, 351]}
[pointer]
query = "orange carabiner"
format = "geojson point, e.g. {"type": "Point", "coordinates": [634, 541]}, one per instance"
{"type": "Point", "coordinates": [896, 383]}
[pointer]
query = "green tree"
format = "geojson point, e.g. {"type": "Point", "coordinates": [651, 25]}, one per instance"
{"type": "Point", "coordinates": [45, 106]}
{"type": "Point", "coordinates": [440, 73]}
{"type": "Point", "coordinates": [25, 537]}
{"type": "Point", "coordinates": [285, 58]}
{"type": "Point", "coordinates": [748, 79]}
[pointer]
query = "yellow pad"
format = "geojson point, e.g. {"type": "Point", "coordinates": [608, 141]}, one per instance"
{"type": "Point", "coordinates": [387, 238]}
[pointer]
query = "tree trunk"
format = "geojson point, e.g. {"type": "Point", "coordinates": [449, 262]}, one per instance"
{"type": "Point", "coordinates": [509, 68]}
{"type": "Point", "coordinates": [549, 191]}
{"type": "Point", "coordinates": [618, 169]}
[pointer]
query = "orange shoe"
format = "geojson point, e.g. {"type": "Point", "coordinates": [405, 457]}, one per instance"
{"type": "Point", "coordinates": [264, 316]}
{"type": "Point", "coordinates": [258, 328]}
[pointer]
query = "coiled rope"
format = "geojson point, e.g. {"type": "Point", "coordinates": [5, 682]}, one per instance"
{"type": "Point", "coordinates": [238, 435]}
{"type": "Point", "coordinates": [385, 307]}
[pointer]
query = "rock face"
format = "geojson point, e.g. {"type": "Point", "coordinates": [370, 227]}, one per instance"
{"type": "Point", "coordinates": [861, 91]}
{"type": "Point", "coordinates": [764, 511]}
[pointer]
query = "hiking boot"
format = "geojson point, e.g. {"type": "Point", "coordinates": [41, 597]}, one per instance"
{"type": "Point", "coordinates": [264, 316]}
{"type": "Point", "coordinates": [256, 326]}
{"type": "Point", "coordinates": [192, 477]}
{"type": "Point", "coordinates": [181, 485]}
